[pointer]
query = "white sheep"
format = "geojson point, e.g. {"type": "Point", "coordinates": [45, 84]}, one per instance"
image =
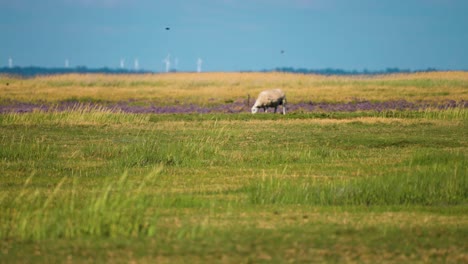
{"type": "Point", "coordinates": [270, 98]}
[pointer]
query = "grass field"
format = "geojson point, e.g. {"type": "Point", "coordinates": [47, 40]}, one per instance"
{"type": "Point", "coordinates": [93, 185]}
{"type": "Point", "coordinates": [218, 88]}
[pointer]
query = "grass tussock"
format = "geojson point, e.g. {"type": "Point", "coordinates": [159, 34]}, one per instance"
{"type": "Point", "coordinates": [81, 114]}
{"type": "Point", "coordinates": [456, 113]}
{"type": "Point", "coordinates": [117, 208]}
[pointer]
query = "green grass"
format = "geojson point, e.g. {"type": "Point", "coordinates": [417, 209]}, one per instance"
{"type": "Point", "coordinates": [429, 179]}
{"type": "Point", "coordinates": [89, 185]}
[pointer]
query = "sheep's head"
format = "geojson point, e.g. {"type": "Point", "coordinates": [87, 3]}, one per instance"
{"type": "Point", "coordinates": [254, 110]}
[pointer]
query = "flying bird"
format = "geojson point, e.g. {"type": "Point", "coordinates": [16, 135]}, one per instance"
{"type": "Point", "coordinates": [282, 51]}
{"type": "Point", "coordinates": [168, 28]}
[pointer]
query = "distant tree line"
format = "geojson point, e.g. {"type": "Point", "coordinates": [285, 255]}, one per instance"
{"type": "Point", "coordinates": [34, 71]}
{"type": "Point", "coordinates": [331, 71]}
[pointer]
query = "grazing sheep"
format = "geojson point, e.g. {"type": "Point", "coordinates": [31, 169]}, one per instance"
{"type": "Point", "coordinates": [270, 98]}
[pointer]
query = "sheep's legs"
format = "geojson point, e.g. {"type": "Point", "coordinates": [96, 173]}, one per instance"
{"type": "Point", "coordinates": [284, 106]}
{"type": "Point", "coordinates": [265, 109]}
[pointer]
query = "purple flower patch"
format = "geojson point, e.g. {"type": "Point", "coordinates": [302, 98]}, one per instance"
{"type": "Point", "coordinates": [233, 107]}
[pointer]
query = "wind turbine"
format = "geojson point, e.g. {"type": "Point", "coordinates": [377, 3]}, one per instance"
{"type": "Point", "coordinates": [199, 64]}
{"type": "Point", "coordinates": [176, 63]}
{"type": "Point", "coordinates": [67, 64]}
{"type": "Point", "coordinates": [122, 63]}
{"type": "Point", "coordinates": [10, 62]}
{"type": "Point", "coordinates": [136, 64]}
{"type": "Point", "coordinates": [167, 61]}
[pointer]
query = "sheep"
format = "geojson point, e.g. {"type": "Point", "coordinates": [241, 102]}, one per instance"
{"type": "Point", "coordinates": [270, 98]}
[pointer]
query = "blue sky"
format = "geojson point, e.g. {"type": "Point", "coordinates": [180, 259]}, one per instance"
{"type": "Point", "coordinates": [234, 35]}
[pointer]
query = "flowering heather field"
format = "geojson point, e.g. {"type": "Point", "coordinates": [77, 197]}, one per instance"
{"type": "Point", "coordinates": [234, 107]}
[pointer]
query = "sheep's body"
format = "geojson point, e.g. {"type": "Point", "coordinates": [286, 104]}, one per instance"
{"type": "Point", "coordinates": [270, 98]}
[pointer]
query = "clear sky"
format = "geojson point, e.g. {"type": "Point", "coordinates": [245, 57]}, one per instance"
{"type": "Point", "coordinates": [234, 35]}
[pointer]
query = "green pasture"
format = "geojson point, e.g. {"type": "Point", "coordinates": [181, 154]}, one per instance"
{"type": "Point", "coordinates": [93, 186]}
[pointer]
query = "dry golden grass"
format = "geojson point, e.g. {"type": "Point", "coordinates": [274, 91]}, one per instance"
{"type": "Point", "coordinates": [217, 88]}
